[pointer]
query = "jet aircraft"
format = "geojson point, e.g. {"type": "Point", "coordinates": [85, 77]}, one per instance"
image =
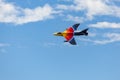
{"type": "Point", "coordinates": [70, 32]}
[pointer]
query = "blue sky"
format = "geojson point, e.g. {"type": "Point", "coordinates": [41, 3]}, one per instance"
{"type": "Point", "coordinates": [30, 51]}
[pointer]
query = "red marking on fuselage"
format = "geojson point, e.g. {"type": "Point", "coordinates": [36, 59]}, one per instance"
{"type": "Point", "coordinates": [69, 33]}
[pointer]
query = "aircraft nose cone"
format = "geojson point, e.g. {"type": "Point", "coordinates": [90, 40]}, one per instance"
{"type": "Point", "coordinates": [55, 34]}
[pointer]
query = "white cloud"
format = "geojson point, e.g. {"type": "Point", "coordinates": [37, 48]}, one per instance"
{"type": "Point", "coordinates": [65, 7]}
{"type": "Point", "coordinates": [98, 7]}
{"type": "Point", "coordinates": [112, 37]}
{"type": "Point", "coordinates": [74, 18]}
{"type": "Point", "coordinates": [93, 8]}
{"type": "Point", "coordinates": [105, 25]}
{"type": "Point", "coordinates": [106, 39]}
{"type": "Point", "coordinates": [92, 34]}
{"type": "Point", "coordinates": [10, 13]}
{"type": "Point", "coordinates": [37, 14]}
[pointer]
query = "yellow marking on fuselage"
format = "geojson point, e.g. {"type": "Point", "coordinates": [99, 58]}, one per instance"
{"type": "Point", "coordinates": [64, 33]}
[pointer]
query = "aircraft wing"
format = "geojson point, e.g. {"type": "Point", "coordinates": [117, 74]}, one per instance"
{"type": "Point", "coordinates": [75, 26]}
{"type": "Point", "coordinates": [72, 41]}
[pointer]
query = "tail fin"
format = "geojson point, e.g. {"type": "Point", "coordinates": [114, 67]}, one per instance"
{"type": "Point", "coordinates": [85, 32]}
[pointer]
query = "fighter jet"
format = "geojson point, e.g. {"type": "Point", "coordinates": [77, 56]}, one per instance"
{"type": "Point", "coordinates": [70, 32]}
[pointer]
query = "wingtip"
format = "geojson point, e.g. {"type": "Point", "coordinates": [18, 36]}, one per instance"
{"type": "Point", "coordinates": [77, 23]}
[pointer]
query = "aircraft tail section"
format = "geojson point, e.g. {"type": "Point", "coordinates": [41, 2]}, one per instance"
{"type": "Point", "coordinates": [84, 32]}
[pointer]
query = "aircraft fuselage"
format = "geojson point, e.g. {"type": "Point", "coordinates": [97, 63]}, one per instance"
{"type": "Point", "coordinates": [76, 33]}
{"type": "Point", "coordinates": [70, 32]}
